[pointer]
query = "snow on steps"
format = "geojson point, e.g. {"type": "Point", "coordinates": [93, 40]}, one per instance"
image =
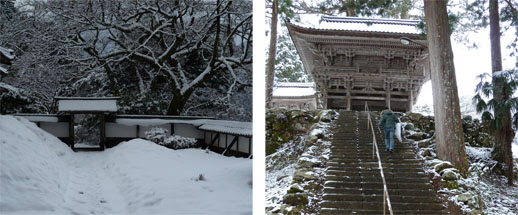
{"type": "Point", "coordinates": [354, 184]}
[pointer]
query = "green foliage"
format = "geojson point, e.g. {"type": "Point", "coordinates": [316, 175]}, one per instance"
{"type": "Point", "coordinates": [385, 8]}
{"type": "Point", "coordinates": [288, 66]}
{"type": "Point", "coordinates": [474, 16]}
{"type": "Point", "coordinates": [493, 111]}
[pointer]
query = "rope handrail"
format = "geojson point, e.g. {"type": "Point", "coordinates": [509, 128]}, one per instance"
{"type": "Point", "coordinates": [375, 151]}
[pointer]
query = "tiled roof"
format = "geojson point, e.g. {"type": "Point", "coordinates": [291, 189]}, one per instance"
{"type": "Point", "coordinates": [358, 24]}
{"type": "Point", "coordinates": [291, 89]}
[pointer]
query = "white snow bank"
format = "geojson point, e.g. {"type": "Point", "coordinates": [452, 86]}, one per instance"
{"type": "Point", "coordinates": [33, 176]}
{"type": "Point", "coordinates": [159, 180]}
{"type": "Point", "coordinates": [39, 175]}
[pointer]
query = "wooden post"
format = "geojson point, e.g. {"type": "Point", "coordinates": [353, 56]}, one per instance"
{"type": "Point", "coordinates": [325, 98]}
{"type": "Point", "coordinates": [410, 100]}
{"type": "Point", "coordinates": [249, 146]}
{"type": "Point", "coordinates": [387, 92]}
{"type": "Point", "coordinates": [236, 139]}
{"type": "Point", "coordinates": [103, 132]}
{"type": "Point", "coordinates": [348, 97]}
{"type": "Point", "coordinates": [71, 130]}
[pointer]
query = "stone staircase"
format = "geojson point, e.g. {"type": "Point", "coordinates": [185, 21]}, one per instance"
{"type": "Point", "coordinates": [354, 185]}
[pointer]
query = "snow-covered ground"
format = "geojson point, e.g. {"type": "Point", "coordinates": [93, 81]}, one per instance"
{"type": "Point", "coordinates": [40, 175]}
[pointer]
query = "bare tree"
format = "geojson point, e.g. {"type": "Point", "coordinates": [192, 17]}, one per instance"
{"type": "Point", "coordinates": [158, 40]}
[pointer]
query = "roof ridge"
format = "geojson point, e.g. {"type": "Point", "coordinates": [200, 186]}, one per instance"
{"type": "Point", "coordinates": [409, 22]}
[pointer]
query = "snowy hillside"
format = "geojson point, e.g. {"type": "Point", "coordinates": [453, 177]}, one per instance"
{"type": "Point", "coordinates": [39, 174]}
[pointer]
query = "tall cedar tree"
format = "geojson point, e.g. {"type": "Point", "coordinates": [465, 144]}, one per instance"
{"type": "Point", "coordinates": [504, 133]}
{"type": "Point", "coordinates": [448, 124]}
{"type": "Point", "coordinates": [272, 51]}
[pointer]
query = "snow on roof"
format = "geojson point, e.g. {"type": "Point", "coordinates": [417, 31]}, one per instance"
{"type": "Point", "coordinates": [8, 53]}
{"type": "Point", "coordinates": [405, 26]}
{"type": "Point", "coordinates": [294, 84]}
{"type": "Point", "coordinates": [157, 121]}
{"type": "Point", "coordinates": [39, 117]}
{"type": "Point", "coordinates": [222, 126]}
{"type": "Point", "coordinates": [229, 127]}
{"type": "Point", "coordinates": [86, 98]}
{"type": "Point", "coordinates": [106, 104]}
{"type": "Point", "coordinates": [293, 89]}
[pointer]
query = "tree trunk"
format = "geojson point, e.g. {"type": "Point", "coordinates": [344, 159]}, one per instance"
{"type": "Point", "coordinates": [270, 70]}
{"type": "Point", "coordinates": [448, 124]}
{"type": "Point", "coordinates": [504, 133]}
{"type": "Point", "coordinates": [176, 105]}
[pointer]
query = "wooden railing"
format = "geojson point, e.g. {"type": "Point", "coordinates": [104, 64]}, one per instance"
{"type": "Point", "coordinates": [375, 151]}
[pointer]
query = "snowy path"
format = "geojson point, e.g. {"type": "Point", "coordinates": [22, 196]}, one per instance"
{"type": "Point", "coordinates": [90, 190]}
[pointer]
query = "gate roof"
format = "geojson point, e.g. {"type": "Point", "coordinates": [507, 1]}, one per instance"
{"type": "Point", "coordinates": [87, 104]}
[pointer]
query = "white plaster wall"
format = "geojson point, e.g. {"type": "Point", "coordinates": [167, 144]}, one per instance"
{"type": "Point", "coordinates": [58, 129]}
{"type": "Point", "coordinates": [187, 130]}
{"type": "Point", "coordinates": [119, 130]}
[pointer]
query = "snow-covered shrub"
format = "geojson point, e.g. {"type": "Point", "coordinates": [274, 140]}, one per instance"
{"type": "Point", "coordinates": [159, 136]}
{"type": "Point", "coordinates": [156, 135]}
{"type": "Point", "coordinates": [179, 142]}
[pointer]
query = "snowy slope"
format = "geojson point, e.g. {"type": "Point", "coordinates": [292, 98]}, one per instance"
{"type": "Point", "coordinates": [33, 176]}
{"type": "Point", "coordinates": [40, 175]}
{"type": "Point", "coordinates": [160, 180]}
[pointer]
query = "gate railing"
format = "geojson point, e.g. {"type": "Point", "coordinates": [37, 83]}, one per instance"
{"type": "Point", "coordinates": [375, 151]}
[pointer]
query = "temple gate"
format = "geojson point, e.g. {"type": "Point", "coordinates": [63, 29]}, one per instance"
{"type": "Point", "coordinates": [352, 60]}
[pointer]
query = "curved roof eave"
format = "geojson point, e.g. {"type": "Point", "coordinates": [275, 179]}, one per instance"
{"type": "Point", "coordinates": [345, 32]}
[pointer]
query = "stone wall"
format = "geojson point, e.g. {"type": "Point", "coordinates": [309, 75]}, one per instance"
{"type": "Point", "coordinates": [282, 125]}
{"type": "Point", "coordinates": [419, 127]}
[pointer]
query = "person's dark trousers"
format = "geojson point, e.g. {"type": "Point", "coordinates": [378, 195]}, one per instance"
{"type": "Point", "coordinates": [389, 139]}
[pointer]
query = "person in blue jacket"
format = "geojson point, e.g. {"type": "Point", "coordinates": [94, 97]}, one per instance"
{"type": "Point", "coordinates": [388, 121]}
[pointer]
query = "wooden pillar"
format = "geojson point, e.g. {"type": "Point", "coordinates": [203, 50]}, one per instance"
{"type": "Point", "coordinates": [348, 98]}
{"type": "Point", "coordinates": [71, 130]}
{"type": "Point", "coordinates": [325, 100]}
{"type": "Point", "coordinates": [103, 132]}
{"type": "Point", "coordinates": [249, 145]}
{"type": "Point", "coordinates": [410, 100]}
{"type": "Point", "coordinates": [387, 93]}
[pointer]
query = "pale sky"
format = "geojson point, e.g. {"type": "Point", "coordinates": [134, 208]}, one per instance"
{"type": "Point", "coordinates": [469, 63]}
